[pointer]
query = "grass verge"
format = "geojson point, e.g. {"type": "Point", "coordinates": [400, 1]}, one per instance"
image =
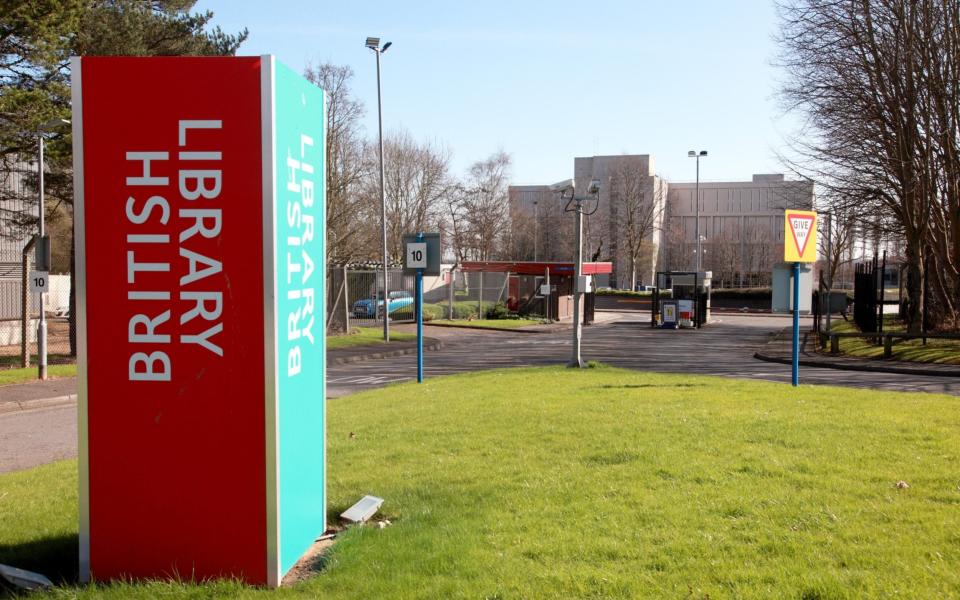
{"type": "Point", "coordinates": [365, 336]}
{"type": "Point", "coordinates": [552, 483]}
{"type": "Point", "coordinates": [935, 351]}
{"type": "Point", "coordinates": [9, 376]}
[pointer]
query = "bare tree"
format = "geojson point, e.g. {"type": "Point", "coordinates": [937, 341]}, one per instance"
{"type": "Point", "coordinates": [351, 222]}
{"type": "Point", "coordinates": [877, 81]}
{"type": "Point", "coordinates": [416, 184]}
{"type": "Point", "coordinates": [723, 257]}
{"type": "Point", "coordinates": [637, 202]}
{"type": "Point", "coordinates": [482, 207]}
{"type": "Point", "coordinates": [841, 240]}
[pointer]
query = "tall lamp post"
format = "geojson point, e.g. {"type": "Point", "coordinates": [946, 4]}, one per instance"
{"type": "Point", "coordinates": [43, 245]}
{"type": "Point", "coordinates": [374, 44]}
{"type": "Point", "coordinates": [697, 155]}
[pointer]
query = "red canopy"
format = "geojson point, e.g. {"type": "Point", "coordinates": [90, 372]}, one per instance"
{"type": "Point", "coordinates": [534, 268]}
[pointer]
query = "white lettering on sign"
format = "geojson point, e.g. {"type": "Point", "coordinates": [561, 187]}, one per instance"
{"type": "Point", "coordinates": [151, 254]}
{"type": "Point", "coordinates": [801, 225]}
{"type": "Point", "coordinates": [300, 211]}
{"type": "Point", "coordinates": [417, 255]}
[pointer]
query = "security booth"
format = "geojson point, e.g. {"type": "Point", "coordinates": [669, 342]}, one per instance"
{"type": "Point", "coordinates": [536, 288]}
{"type": "Point", "coordinates": [685, 295]}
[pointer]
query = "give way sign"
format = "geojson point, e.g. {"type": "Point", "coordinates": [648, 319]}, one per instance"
{"type": "Point", "coordinates": [800, 236]}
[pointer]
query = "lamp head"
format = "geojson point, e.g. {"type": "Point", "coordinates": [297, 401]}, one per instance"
{"type": "Point", "coordinates": [562, 186]}
{"type": "Point", "coordinates": [703, 153]}
{"type": "Point", "coordinates": [385, 46]}
{"type": "Point", "coordinates": [52, 125]}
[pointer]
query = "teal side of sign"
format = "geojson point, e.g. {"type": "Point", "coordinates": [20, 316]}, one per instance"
{"type": "Point", "coordinates": [300, 217]}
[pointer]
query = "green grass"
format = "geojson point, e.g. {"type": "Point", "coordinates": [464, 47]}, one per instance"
{"type": "Point", "coordinates": [552, 483]}
{"type": "Point", "coordinates": [365, 336]}
{"type": "Point", "coordinates": [489, 323]}
{"type": "Point", "coordinates": [8, 376]}
{"type": "Point", "coordinates": [936, 351]}
{"type": "Point", "coordinates": [12, 361]}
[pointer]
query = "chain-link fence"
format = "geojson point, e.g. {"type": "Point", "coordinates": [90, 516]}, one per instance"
{"type": "Point", "coordinates": [19, 306]}
{"type": "Point", "coordinates": [356, 296]}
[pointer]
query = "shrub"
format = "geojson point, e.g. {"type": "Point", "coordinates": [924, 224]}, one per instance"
{"type": "Point", "coordinates": [499, 311]}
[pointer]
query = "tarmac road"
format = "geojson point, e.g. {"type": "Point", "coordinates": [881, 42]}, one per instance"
{"type": "Point", "coordinates": [723, 348]}
{"type": "Point", "coordinates": [35, 437]}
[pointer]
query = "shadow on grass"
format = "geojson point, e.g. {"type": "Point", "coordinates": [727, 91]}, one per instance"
{"type": "Point", "coordinates": [627, 386]}
{"type": "Point", "coordinates": [55, 557]}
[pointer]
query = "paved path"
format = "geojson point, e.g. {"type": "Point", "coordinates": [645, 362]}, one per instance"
{"type": "Point", "coordinates": [35, 437]}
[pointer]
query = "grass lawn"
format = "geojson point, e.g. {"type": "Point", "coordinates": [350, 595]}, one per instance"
{"type": "Point", "coordinates": [551, 483]}
{"type": "Point", "coordinates": [936, 351]}
{"type": "Point", "coordinates": [8, 376]}
{"type": "Point", "coordinates": [488, 323]}
{"type": "Point", "coordinates": [363, 336]}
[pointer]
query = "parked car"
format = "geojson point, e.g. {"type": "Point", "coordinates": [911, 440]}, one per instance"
{"type": "Point", "coordinates": [370, 308]}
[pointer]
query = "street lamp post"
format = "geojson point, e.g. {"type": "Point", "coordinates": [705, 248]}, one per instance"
{"type": "Point", "coordinates": [43, 247]}
{"type": "Point", "coordinates": [374, 44]}
{"type": "Point", "coordinates": [697, 155]}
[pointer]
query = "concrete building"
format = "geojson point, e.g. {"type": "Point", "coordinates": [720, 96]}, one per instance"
{"type": "Point", "coordinates": [644, 223]}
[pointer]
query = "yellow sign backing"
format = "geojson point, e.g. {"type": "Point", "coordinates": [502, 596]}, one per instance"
{"type": "Point", "coordinates": [800, 236]}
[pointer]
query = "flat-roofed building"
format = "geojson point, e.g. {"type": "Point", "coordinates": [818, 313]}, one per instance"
{"type": "Point", "coordinates": [643, 223]}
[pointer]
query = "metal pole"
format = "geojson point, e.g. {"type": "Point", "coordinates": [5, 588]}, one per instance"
{"type": "Point", "coordinates": [383, 213]}
{"type": "Point", "coordinates": [536, 230]}
{"type": "Point", "coordinates": [453, 282]}
{"type": "Point", "coordinates": [829, 266]}
{"type": "Point", "coordinates": [698, 212]}
{"type": "Point", "coordinates": [795, 371]}
{"type": "Point", "coordinates": [480, 298]}
{"type": "Point", "coordinates": [420, 319]}
{"type": "Point", "coordinates": [42, 322]}
{"type": "Point", "coordinates": [549, 295]}
{"type": "Point", "coordinates": [575, 360]}
{"type": "Point", "coordinates": [346, 302]}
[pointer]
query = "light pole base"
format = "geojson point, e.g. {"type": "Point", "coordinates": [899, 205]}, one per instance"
{"type": "Point", "coordinates": [576, 364]}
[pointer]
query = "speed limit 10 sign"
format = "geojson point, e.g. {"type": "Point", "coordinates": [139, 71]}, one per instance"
{"type": "Point", "coordinates": [416, 255]}
{"type": "Point", "coordinates": [39, 281]}
{"type": "Point", "coordinates": [422, 253]}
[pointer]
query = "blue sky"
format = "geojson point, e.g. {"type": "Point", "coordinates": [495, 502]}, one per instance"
{"type": "Point", "coordinates": [548, 81]}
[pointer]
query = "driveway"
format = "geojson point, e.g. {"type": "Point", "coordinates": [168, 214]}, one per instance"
{"type": "Point", "coordinates": [724, 348]}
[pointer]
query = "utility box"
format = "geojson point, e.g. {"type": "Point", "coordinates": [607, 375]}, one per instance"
{"type": "Point", "coordinates": [200, 217]}
{"type": "Point", "coordinates": [782, 297]}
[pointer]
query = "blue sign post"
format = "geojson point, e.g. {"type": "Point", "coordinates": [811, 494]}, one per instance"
{"type": "Point", "coordinates": [795, 373]}
{"type": "Point", "coordinates": [420, 318]}
{"type": "Point", "coordinates": [799, 245]}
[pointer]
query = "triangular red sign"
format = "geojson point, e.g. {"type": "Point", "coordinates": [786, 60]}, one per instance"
{"type": "Point", "coordinates": [801, 226]}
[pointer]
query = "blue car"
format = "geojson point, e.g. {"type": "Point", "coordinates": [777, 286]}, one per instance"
{"type": "Point", "coordinates": [370, 308]}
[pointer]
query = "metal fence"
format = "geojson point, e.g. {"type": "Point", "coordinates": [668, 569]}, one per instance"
{"type": "Point", "coordinates": [19, 308]}
{"type": "Point", "coordinates": [355, 296]}
{"type": "Point", "coordinates": [18, 331]}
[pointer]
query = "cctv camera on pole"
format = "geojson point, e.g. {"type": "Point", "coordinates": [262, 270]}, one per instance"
{"type": "Point", "coordinates": [580, 283]}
